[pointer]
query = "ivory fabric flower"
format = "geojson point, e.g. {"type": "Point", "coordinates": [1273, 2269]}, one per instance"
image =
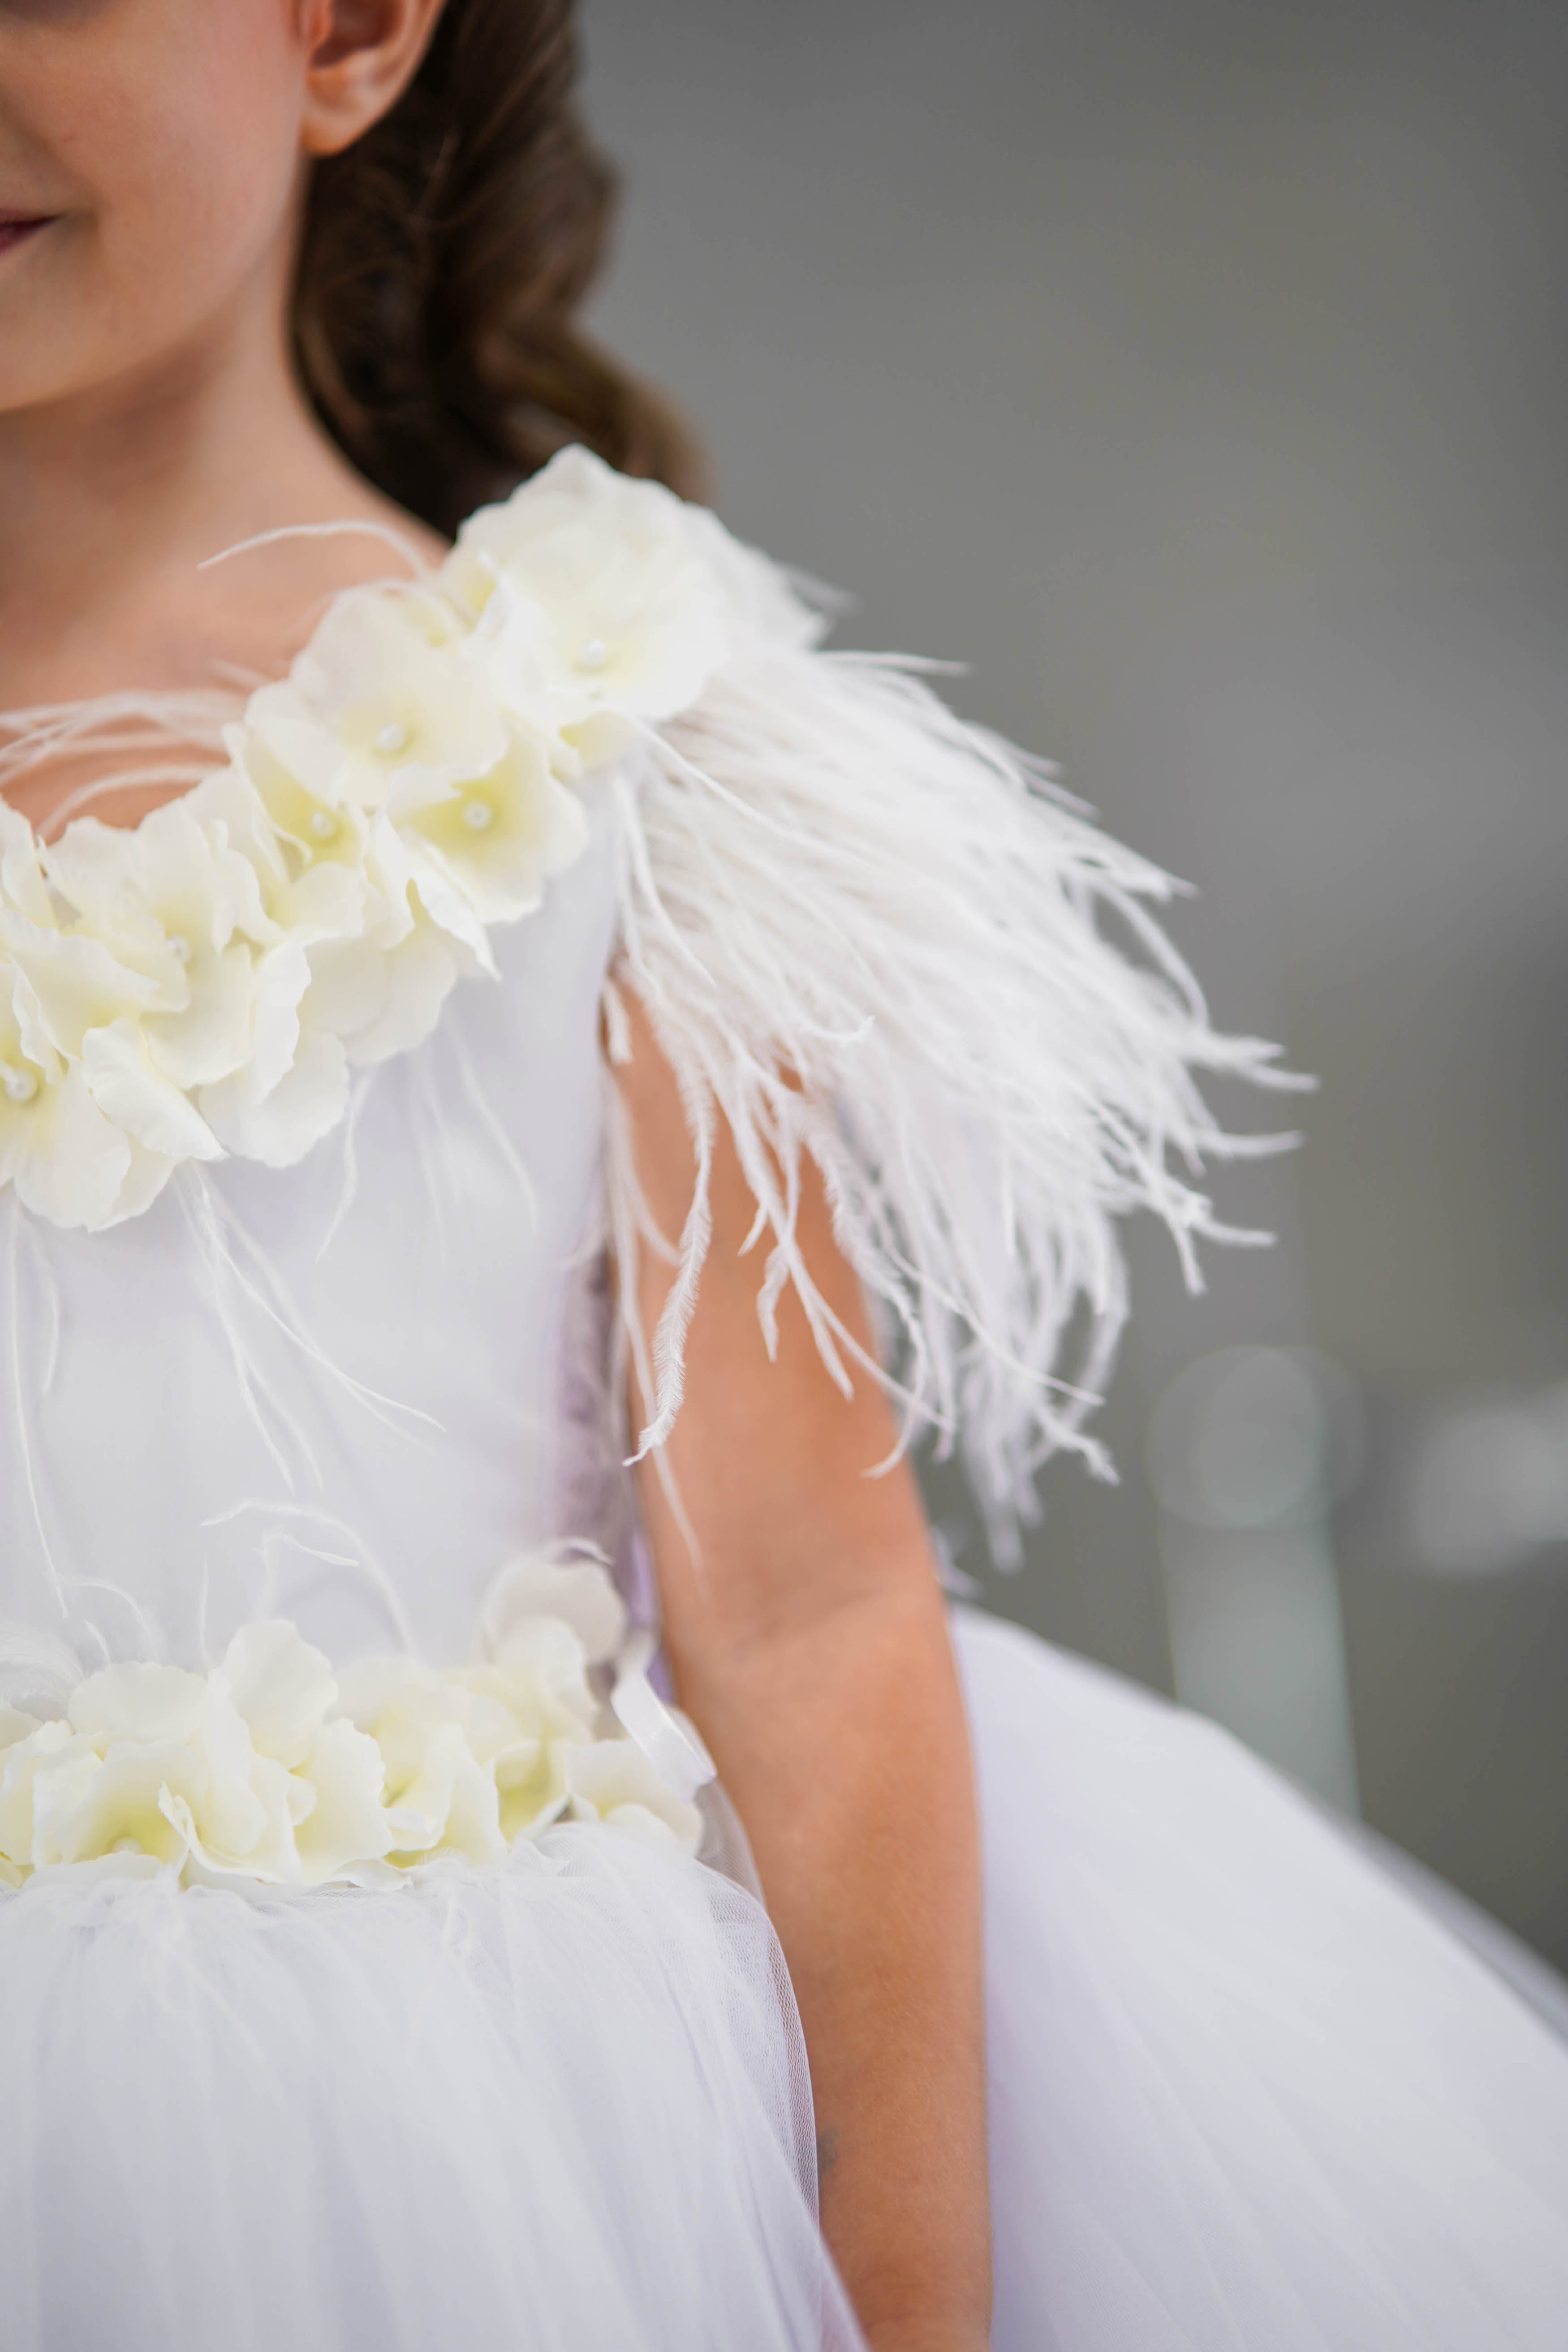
{"type": "Point", "coordinates": [154, 1762]}
{"type": "Point", "coordinates": [23, 882]}
{"type": "Point", "coordinates": [33, 1748]}
{"type": "Point", "coordinates": [282, 1687]}
{"type": "Point", "coordinates": [172, 900]}
{"type": "Point", "coordinates": [74, 983]}
{"type": "Point", "coordinates": [370, 967]}
{"type": "Point", "coordinates": [89, 1125]}
{"type": "Point", "coordinates": [307, 853]}
{"type": "Point", "coordinates": [476, 1757]}
{"type": "Point", "coordinates": [293, 1088]}
{"type": "Point", "coordinates": [589, 590]}
{"type": "Point", "coordinates": [575, 1590]}
{"type": "Point", "coordinates": [89, 1807]}
{"type": "Point", "coordinates": [372, 702]}
{"type": "Point", "coordinates": [67, 1159]}
{"type": "Point", "coordinates": [614, 1782]}
{"type": "Point", "coordinates": [492, 843]}
{"type": "Point", "coordinates": [269, 1769]}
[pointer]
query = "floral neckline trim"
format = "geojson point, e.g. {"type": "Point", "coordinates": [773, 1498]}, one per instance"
{"type": "Point", "coordinates": [201, 985]}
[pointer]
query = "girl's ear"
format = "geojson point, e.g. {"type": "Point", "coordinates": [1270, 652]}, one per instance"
{"type": "Point", "coordinates": [360, 57]}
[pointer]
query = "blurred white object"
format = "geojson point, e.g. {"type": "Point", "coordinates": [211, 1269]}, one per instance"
{"type": "Point", "coordinates": [1248, 1448]}
{"type": "Point", "coordinates": [1486, 1484]}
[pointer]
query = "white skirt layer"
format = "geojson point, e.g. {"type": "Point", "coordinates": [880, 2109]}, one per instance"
{"type": "Point", "coordinates": [562, 2106]}
{"type": "Point", "coordinates": [1246, 2094]}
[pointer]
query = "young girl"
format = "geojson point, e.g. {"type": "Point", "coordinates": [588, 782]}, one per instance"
{"type": "Point", "coordinates": [484, 995]}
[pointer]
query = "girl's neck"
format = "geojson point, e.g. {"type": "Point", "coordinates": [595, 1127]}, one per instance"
{"type": "Point", "coordinates": [111, 499]}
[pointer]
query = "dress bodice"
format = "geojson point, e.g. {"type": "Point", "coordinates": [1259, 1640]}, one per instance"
{"type": "Point", "coordinates": [344, 1391]}
{"type": "Point", "coordinates": [306, 1184]}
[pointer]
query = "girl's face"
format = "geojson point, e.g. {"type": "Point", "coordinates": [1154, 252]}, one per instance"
{"type": "Point", "coordinates": [152, 155]}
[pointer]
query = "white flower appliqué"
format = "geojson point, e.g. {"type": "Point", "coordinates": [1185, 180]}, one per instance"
{"type": "Point", "coordinates": [203, 984]}
{"type": "Point", "coordinates": [593, 596]}
{"type": "Point", "coordinates": [270, 1768]}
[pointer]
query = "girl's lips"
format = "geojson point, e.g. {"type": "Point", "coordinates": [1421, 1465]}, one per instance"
{"type": "Point", "coordinates": [15, 229]}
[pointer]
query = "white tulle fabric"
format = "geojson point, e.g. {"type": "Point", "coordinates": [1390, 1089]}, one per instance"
{"type": "Point", "coordinates": [560, 2103]}
{"type": "Point", "coordinates": [361, 1989]}
{"type": "Point", "coordinates": [1243, 2092]}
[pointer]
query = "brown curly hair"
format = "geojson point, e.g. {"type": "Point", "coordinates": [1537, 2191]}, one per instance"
{"type": "Point", "coordinates": [443, 259]}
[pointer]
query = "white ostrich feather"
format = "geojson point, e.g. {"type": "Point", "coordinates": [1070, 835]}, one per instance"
{"type": "Point", "coordinates": [873, 938]}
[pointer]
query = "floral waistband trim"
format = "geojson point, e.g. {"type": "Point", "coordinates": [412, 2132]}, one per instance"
{"type": "Point", "coordinates": [272, 1769]}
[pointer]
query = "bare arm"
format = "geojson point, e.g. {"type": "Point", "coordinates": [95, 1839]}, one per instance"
{"type": "Point", "coordinates": [811, 1649]}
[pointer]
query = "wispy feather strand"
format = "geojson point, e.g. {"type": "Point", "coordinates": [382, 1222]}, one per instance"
{"type": "Point", "coordinates": [874, 937]}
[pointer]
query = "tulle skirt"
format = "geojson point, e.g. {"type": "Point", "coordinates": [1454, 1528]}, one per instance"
{"type": "Point", "coordinates": [562, 2105]}
{"type": "Point", "coordinates": [1246, 2094]}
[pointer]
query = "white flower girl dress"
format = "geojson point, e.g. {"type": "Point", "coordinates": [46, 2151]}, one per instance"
{"type": "Point", "coordinates": [378, 1963]}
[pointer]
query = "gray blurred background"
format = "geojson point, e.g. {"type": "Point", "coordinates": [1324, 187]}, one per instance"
{"type": "Point", "coordinates": [1194, 372]}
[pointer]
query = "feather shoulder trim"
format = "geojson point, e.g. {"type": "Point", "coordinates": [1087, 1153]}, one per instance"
{"type": "Point", "coordinates": [875, 937]}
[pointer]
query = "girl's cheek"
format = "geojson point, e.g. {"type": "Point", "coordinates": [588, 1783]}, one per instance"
{"type": "Point", "coordinates": [182, 143]}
